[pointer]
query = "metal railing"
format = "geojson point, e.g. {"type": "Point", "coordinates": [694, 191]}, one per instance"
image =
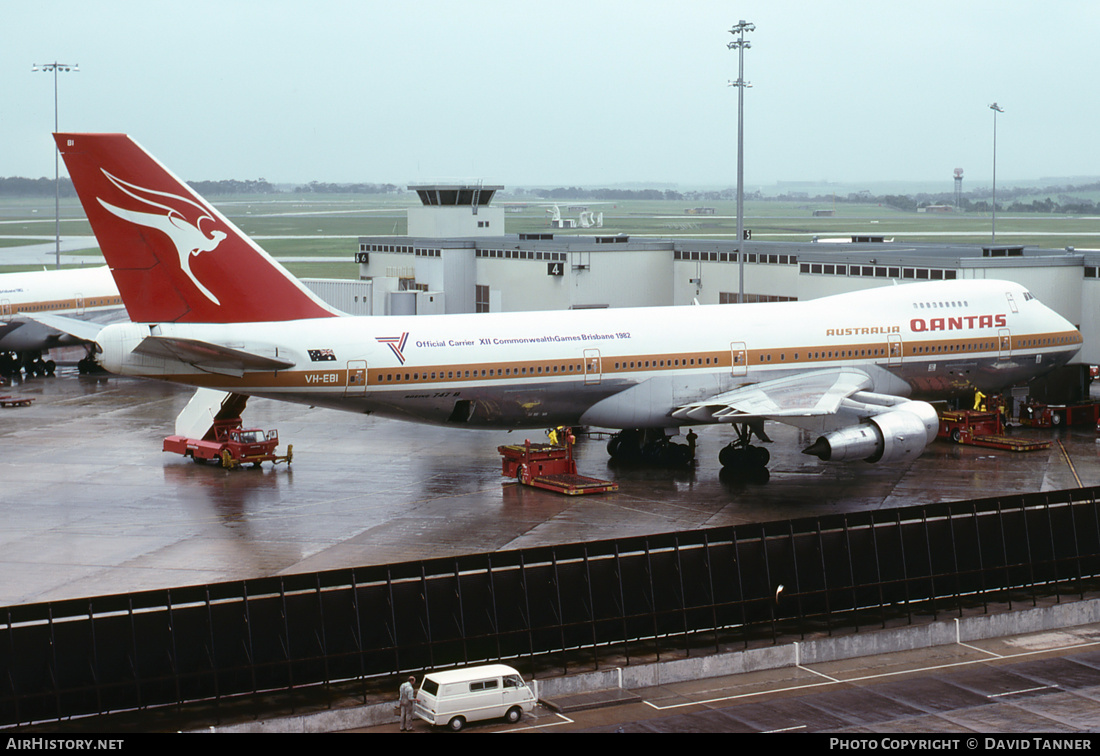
{"type": "Point", "coordinates": [546, 608]}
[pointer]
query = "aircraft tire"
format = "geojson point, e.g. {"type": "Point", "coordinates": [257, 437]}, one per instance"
{"type": "Point", "coordinates": [625, 446]}
{"type": "Point", "coordinates": [680, 455]}
{"type": "Point", "coordinates": [749, 458]}
{"type": "Point", "coordinates": [730, 456]}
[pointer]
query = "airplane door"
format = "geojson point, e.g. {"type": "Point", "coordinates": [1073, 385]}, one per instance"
{"type": "Point", "coordinates": [893, 349]}
{"type": "Point", "coordinates": [592, 366]}
{"type": "Point", "coordinates": [5, 309]}
{"type": "Point", "coordinates": [79, 304]}
{"type": "Point", "coordinates": [357, 378]}
{"type": "Point", "coordinates": [1004, 344]}
{"type": "Point", "coordinates": [739, 358]}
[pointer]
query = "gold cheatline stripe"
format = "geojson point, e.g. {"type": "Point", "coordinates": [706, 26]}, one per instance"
{"type": "Point", "coordinates": [570, 368]}
{"type": "Point", "coordinates": [61, 304]}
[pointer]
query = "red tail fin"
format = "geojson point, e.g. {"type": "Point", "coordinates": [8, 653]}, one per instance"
{"type": "Point", "coordinates": [173, 256]}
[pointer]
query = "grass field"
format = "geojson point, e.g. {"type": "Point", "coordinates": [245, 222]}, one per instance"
{"type": "Point", "coordinates": [326, 226]}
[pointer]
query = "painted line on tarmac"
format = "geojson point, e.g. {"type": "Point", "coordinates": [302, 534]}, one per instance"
{"type": "Point", "coordinates": [1072, 469]}
{"type": "Point", "coordinates": [868, 678]}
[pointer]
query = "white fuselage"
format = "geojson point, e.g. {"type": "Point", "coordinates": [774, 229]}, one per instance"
{"type": "Point", "coordinates": [622, 368]}
{"type": "Point", "coordinates": [84, 293]}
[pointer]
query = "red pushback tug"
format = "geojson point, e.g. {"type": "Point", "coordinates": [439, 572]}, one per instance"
{"type": "Point", "coordinates": [1039, 415]}
{"type": "Point", "coordinates": [976, 428]}
{"type": "Point", "coordinates": [549, 466]}
{"type": "Point", "coordinates": [231, 445]}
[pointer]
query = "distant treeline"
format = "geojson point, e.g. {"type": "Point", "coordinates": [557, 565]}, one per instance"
{"type": "Point", "coordinates": [17, 186]}
{"type": "Point", "coordinates": [1065, 203]}
{"type": "Point", "coordinates": [319, 188]}
{"type": "Point", "coordinates": [1057, 200]}
{"type": "Point", "coordinates": [262, 186]}
{"type": "Point", "coordinates": [577, 193]}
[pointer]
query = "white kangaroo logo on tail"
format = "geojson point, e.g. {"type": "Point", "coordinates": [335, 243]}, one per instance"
{"type": "Point", "coordinates": [187, 237]}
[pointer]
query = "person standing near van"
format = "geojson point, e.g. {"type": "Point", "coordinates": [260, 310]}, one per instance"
{"type": "Point", "coordinates": [406, 698]}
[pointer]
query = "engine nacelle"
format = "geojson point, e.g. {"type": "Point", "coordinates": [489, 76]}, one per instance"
{"type": "Point", "coordinates": [899, 433]}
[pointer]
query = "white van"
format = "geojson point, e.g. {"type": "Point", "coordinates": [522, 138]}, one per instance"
{"type": "Point", "coordinates": [458, 696]}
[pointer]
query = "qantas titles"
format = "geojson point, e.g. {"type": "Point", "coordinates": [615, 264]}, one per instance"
{"type": "Point", "coordinates": [918, 325]}
{"type": "Point", "coordinates": [956, 323]}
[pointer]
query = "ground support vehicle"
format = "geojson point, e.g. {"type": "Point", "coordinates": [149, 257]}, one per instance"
{"type": "Point", "coordinates": [976, 428]}
{"type": "Point", "coordinates": [231, 445]}
{"type": "Point", "coordinates": [15, 401]}
{"type": "Point", "coordinates": [549, 466]}
{"type": "Point", "coordinates": [1039, 415]}
{"type": "Point", "coordinates": [456, 696]}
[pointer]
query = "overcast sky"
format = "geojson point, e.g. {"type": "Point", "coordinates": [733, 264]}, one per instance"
{"type": "Point", "coordinates": [561, 93]}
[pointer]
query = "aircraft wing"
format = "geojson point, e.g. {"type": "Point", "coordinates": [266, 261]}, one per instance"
{"type": "Point", "coordinates": [85, 330]}
{"type": "Point", "coordinates": [213, 358]}
{"type": "Point", "coordinates": [811, 394]}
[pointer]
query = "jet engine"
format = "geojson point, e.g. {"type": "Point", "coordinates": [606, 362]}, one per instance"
{"type": "Point", "coordinates": [901, 432]}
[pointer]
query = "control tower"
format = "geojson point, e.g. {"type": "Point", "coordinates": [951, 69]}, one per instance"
{"type": "Point", "coordinates": [455, 210]}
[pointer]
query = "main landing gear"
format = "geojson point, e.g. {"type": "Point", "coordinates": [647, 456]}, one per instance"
{"type": "Point", "coordinates": [650, 447]}
{"type": "Point", "coordinates": [89, 365]}
{"type": "Point", "coordinates": [743, 462]}
{"type": "Point", "coordinates": [30, 363]}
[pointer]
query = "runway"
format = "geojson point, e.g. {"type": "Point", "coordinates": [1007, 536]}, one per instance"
{"type": "Point", "coordinates": [91, 505]}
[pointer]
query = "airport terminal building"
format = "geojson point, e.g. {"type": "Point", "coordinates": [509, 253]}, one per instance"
{"type": "Point", "coordinates": [457, 259]}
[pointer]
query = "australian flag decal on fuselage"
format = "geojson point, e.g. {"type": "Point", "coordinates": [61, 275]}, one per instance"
{"type": "Point", "coordinates": [321, 355]}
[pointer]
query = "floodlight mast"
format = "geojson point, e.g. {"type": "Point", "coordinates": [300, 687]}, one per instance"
{"type": "Point", "coordinates": [996, 109]}
{"type": "Point", "coordinates": [739, 44]}
{"type": "Point", "coordinates": [55, 67]}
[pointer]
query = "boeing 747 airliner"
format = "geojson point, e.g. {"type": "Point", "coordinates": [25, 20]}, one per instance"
{"type": "Point", "coordinates": [211, 309]}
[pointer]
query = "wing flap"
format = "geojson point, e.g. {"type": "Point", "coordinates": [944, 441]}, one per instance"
{"type": "Point", "coordinates": [810, 394]}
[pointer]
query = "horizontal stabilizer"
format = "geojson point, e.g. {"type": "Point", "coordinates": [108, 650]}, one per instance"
{"type": "Point", "coordinates": [210, 357]}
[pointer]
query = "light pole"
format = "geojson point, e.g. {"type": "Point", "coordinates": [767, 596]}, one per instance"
{"type": "Point", "coordinates": [996, 109]}
{"type": "Point", "coordinates": [55, 67]}
{"type": "Point", "coordinates": [739, 44]}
